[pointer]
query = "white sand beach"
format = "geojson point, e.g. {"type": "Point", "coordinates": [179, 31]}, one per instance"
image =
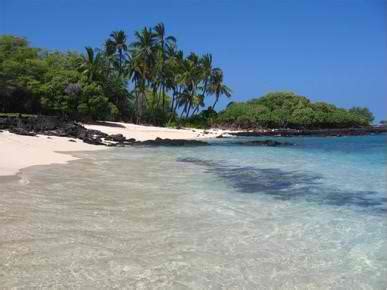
{"type": "Point", "coordinates": [142, 133]}
{"type": "Point", "coordinates": [17, 152]}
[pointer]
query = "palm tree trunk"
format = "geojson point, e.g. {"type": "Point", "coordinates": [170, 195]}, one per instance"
{"type": "Point", "coordinates": [140, 107]}
{"type": "Point", "coordinates": [173, 100]}
{"type": "Point", "coordinates": [184, 110]}
{"type": "Point", "coordinates": [216, 101]}
{"type": "Point", "coordinates": [195, 111]}
{"type": "Point", "coordinates": [205, 86]}
{"type": "Point", "coordinates": [177, 100]}
{"type": "Point", "coordinates": [154, 98]}
{"type": "Point", "coordinates": [189, 109]}
{"type": "Point", "coordinates": [136, 108]}
{"type": "Point", "coordinates": [163, 92]}
{"type": "Point", "coordinates": [120, 69]}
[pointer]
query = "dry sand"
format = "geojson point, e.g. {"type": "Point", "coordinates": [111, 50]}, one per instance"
{"type": "Point", "coordinates": [142, 133]}
{"type": "Point", "coordinates": [17, 152]}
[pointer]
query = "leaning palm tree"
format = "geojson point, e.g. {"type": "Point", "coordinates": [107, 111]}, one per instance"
{"type": "Point", "coordinates": [217, 87]}
{"type": "Point", "coordinates": [117, 44]}
{"type": "Point", "coordinates": [198, 102]}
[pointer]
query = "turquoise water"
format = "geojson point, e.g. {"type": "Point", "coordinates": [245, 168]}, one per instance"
{"type": "Point", "coordinates": [309, 216]}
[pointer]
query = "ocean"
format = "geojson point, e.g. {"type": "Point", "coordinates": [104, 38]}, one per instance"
{"type": "Point", "coordinates": [226, 216]}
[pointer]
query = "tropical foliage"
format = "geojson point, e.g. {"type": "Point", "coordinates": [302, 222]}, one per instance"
{"type": "Point", "coordinates": [146, 80]}
{"type": "Point", "coordinates": [288, 110]}
{"type": "Point", "coordinates": [363, 112]}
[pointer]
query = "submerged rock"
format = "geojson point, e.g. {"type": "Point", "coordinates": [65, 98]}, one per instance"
{"type": "Point", "coordinates": [270, 143]}
{"type": "Point", "coordinates": [171, 142]}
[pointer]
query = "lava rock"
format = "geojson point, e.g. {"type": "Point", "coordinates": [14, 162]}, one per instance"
{"type": "Point", "coordinates": [21, 131]}
{"type": "Point", "coordinates": [116, 138]}
{"type": "Point", "coordinates": [93, 140]}
{"type": "Point", "coordinates": [171, 142]}
{"type": "Point", "coordinates": [270, 143]}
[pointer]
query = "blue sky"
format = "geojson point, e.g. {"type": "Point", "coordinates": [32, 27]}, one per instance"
{"type": "Point", "coordinates": [329, 50]}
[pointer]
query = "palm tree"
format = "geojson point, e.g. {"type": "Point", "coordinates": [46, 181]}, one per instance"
{"type": "Point", "coordinates": [143, 62]}
{"type": "Point", "coordinates": [164, 43]}
{"type": "Point", "coordinates": [91, 63]}
{"type": "Point", "coordinates": [217, 86]}
{"type": "Point", "coordinates": [191, 77]}
{"type": "Point", "coordinates": [206, 61]}
{"type": "Point", "coordinates": [198, 102]}
{"type": "Point", "coordinates": [144, 48]}
{"type": "Point", "coordinates": [117, 44]}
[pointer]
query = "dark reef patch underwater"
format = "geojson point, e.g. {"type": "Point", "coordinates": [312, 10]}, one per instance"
{"type": "Point", "coordinates": [288, 185]}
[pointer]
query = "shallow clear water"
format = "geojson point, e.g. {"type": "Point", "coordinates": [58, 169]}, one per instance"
{"type": "Point", "coordinates": [310, 216]}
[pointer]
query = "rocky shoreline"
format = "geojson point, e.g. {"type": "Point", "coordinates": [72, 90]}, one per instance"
{"type": "Point", "coordinates": [313, 133]}
{"type": "Point", "coordinates": [54, 126]}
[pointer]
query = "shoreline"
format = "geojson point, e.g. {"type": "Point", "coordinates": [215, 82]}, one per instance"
{"type": "Point", "coordinates": [145, 133]}
{"type": "Point", "coordinates": [19, 151]}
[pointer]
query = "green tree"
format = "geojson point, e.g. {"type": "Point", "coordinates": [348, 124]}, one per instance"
{"type": "Point", "coordinates": [91, 64]}
{"type": "Point", "coordinates": [112, 82]}
{"type": "Point", "coordinates": [363, 113]}
{"type": "Point", "coordinates": [164, 43]}
{"type": "Point", "coordinates": [217, 86]}
{"type": "Point", "coordinates": [143, 61]}
{"type": "Point", "coordinates": [21, 71]}
{"type": "Point", "coordinates": [116, 46]}
{"type": "Point", "coordinates": [287, 109]}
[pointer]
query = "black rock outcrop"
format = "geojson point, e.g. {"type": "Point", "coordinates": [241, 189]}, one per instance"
{"type": "Point", "coordinates": [171, 142]}
{"type": "Point", "coordinates": [270, 143]}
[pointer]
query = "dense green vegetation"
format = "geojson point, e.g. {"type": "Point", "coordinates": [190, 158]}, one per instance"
{"type": "Point", "coordinates": [288, 110]}
{"type": "Point", "coordinates": [147, 80]}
